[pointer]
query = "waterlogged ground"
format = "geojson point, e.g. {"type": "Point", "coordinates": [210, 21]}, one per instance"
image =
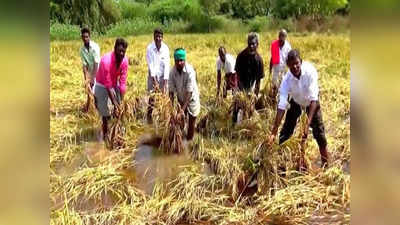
{"type": "Point", "coordinates": [89, 184]}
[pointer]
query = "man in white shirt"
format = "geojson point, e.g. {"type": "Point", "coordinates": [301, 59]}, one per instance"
{"type": "Point", "coordinates": [278, 65]}
{"type": "Point", "coordinates": [226, 62]}
{"type": "Point", "coordinates": [300, 84]}
{"type": "Point", "coordinates": [90, 56]}
{"type": "Point", "coordinates": [183, 83]}
{"type": "Point", "coordinates": [157, 57]}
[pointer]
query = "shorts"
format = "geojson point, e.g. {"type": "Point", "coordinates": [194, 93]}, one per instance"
{"type": "Point", "coordinates": [102, 100]}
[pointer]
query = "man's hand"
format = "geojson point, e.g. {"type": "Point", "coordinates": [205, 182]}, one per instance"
{"type": "Point", "coordinates": [305, 133]}
{"type": "Point", "coordinates": [116, 111]}
{"type": "Point", "coordinates": [181, 112]}
{"type": "Point", "coordinates": [271, 139]}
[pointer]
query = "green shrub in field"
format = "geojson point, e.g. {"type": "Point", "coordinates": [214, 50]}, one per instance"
{"type": "Point", "coordinates": [176, 26]}
{"type": "Point", "coordinates": [258, 23]}
{"type": "Point", "coordinates": [175, 9]}
{"type": "Point", "coordinates": [132, 27]}
{"type": "Point", "coordinates": [130, 9]}
{"type": "Point", "coordinates": [64, 32]}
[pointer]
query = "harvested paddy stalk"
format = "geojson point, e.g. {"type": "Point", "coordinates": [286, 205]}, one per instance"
{"type": "Point", "coordinates": [214, 123]}
{"type": "Point", "coordinates": [115, 137]}
{"type": "Point", "coordinates": [243, 106]}
{"type": "Point", "coordinates": [169, 122]}
{"type": "Point", "coordinates": [172, 139]}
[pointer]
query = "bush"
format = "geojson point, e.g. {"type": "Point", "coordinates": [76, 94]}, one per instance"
{"type": "Point", "coordinates": [176, 26]}
{"type": "Point", "coordinates": [64, 32]}
{"type": "Point", "coordinates": [130, 9]}
{"type": "Point", "coordinates": [168, 10]}
{"type": "Point", "coordinates": [288, 24]}
{"type": "Point", "coordinates": [132, 27]}
{"type": "Point", "coordinates": [258, 23]}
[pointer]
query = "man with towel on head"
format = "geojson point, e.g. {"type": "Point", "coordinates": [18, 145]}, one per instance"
{"type": "Point", "coordinates": [182, 82]}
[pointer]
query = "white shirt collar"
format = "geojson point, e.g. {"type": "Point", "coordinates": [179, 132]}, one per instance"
{"type": "Point", "coordinates": [154, 47]}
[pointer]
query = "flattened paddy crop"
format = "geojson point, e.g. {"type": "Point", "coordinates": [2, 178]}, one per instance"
{"type": "Point", "coordinates": [91, 184]}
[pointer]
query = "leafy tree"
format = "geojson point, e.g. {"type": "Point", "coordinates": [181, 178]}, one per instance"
{"type": "Point", "coordinates": [314, 8]}
{"type": "Point", "coordinates": [96, 14]}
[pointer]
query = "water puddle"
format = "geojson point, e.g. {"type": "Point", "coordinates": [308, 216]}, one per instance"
{"type": "Point", "coordinates": [152, 166]}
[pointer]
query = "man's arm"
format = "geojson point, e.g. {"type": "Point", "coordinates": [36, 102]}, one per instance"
{"type": "Point", "coordinates": [257, 88]}
{"type": "Point", "coordinates": [94, 72]}
{"type": "Point", "coordinates": [310, 115]}
{"type": "Point", "coordinates": [283, 96]}
{"type": "Point", "coordinates": [270, 65]}
{"type": "Point", "coordinates": [260, 76]}
{"type": "Point", "coordinates": [171, 97]}
{"type": "Point", "coordinates": [277, 122]}
{"type": "Point", "coordinates": [218, 81]}
{"type": "Point", "coordinates": [85, 72]}
{"type": "Point", "coordinates": [150, 64]}
{"type": "Point", "coordinates": [96, 62]}
{"type": "Point", "coordinates": [111, 94]}
{"type": "Point", "coordinates": [188, 96]}
{"type": "Point", "coordinates": [165, 86]}
{"type": "Point", "coordinates": [166, 70]}
{"type": "Point", "coordinates": [314, 90]}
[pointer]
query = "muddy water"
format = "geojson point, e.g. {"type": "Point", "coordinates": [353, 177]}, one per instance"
{"type": "Point", "coordinates": [152, 166]}
{"type": "Point", "coordinates": [149, 166]}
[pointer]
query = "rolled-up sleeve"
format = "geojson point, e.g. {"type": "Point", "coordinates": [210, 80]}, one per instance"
{"type": "Point", "coordinates": [284, 93]}
{"type": "Point", "coordinates": [218, 64]}
{"type": "Point", "coordinates": [84, 63]}
{"type": "Point", "coordinates": [260, 68]}
{"type": "Point", "coordinates": [149, 60]}
{"type": "Point", "coordinates": [171, 82]}
{"type": "Point", "coordinates": [123, 76]}
{"type": "Point", "coordinates": [166, 64]}
{"type": "Point", "coordinates": [313, 87]}
{"type": "Point", "coordinates": [191, 81]}
{"type": "Point", "coordinates": [96, 54]}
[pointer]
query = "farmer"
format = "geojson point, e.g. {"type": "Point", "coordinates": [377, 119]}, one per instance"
{"type": "Point", "coordinates": [250, 70]}
{"type": "Point", "coordinates": [226, 62]}
{"type": "Point", "coordinates": [182, 82]}
{"type": "Point", "coordinates": [90, 56]}
{"type": "Point", "coordinates": [111, 81]}
{"type": "Point", "coordinates": [249, 66]}
{"type": "Point", "coordinates": [300, 86]}
{"type": "Point", "coordinates": [157, 57]}
{"type": "Point", "coordinates": [277, 64]}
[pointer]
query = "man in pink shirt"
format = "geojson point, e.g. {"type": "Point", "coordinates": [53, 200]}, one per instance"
{"type": "Point", "coordinates": [111, 81]}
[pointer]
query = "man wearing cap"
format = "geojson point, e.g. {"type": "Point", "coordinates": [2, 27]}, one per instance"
{"type": "Point", "coordinates": [157, 57]}
{"type": "Point", "coordinates": [226, 62]}
{"type": "Point", "coordinates": [182, 82]}
{"type": "Point", "coordinates": [277, 64]}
